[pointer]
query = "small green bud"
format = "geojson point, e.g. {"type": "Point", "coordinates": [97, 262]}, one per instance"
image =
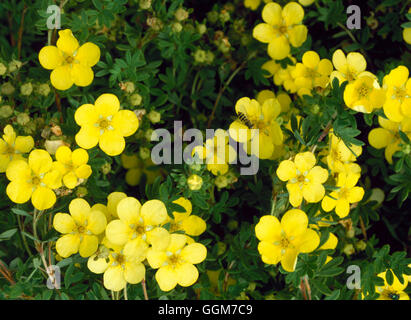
{"type": "Point", "coordinates": [361, 245]}
{"type": "Point", "coordinates": [232, 225]}
{"type": "Point", "coordinates": [135, 99]}
{"type": "Point", "coordinates": [221, 181]}
{"type": "Point", "coordinates": [43, 89]}
{"type": "Point", "coordinates": [221, 248]}
{"type": "Point", "coordinates": [7, 88]}
{"type": "Point", "coordinates": [200, 56]}
{"type": "Point", "coordinates": [224, 16]}
{"type": "Point", "coordinates": [154, 116]}
{"type": "Point", "coordinates": [144, 4]}
{"type": "Point", "coordinates": [23, 119]}
{"type": "Point", "coordinates": [209, 57]}
{"type": "Point", "coordinates": [350, 233]}
{"type": "Point", "coordinates": [201, 28]}
{"type": "Point", "coordinates": [3, 69]}
{"type": "Point", "coordinates": [26, 89]}
{"type": "Point", "coordinates": [6, 111]}
{"type": "Point", "coordinates": [14, 65]}
{"type": "Point", "coordinates": [127, 86]}
{"type": "Point", "coordinates": [81, 192]}
{"type": "Point", "coordinates": [349, 249]}
{"type": "Point", "coordinates": [106, 168]}
{"type": "Point", "coordinates": [144, 153]}
{"type": "Point", "coordinates": [181, 14]}
{"type": "Point", "coordinates": [148, 133]}
{"type": "Point", "coordinates": [212, 16]}
{"type": "Point", "coordinates": [176, 27]}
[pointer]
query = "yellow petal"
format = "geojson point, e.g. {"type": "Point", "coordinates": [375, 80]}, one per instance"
{"type": "Point", "coordinates": [117, 232]}
{"type": "Point", "coordinates": [293, 13]}
{"type": "Point", "coordinates": [112, 143]}
{"type": "Point", "coordinates": [187, 274]}
{"type": "Point", "coordinates": [166, 278]}
{"type": "Point", "coordinates": [19, 191]}
{"type": "Point", "coordinates": [308, 242]}
{"type": "Point", "coordinates": [126, 122]}
{"type": "Point", "coordinates": [50, 57]}
{"type": "Point", "coordinates": [24, 144]}
{"type": "Point", "coordinates": [177, 242]}
{"type": "Point", "coordinates": [88, 246]}
{"type": "Point", "coordinates": [88, 137]}
{"type": "Point", "coordinates": [313, 192]}
{"type": "Point", "coordinates": [88, 54]}
{"type": "Point", "coordinates": [268, 229]}
{"type": "Point", "coordinates": [86, 114]}
{"type": "Point", "coordinates": [64, 223]}
{"type": "Point", "coordinates": [114, 279]}
{"type": "Point", "coordinates": [297, 35]}
{"type": "Point", "coordinates": [136, 249]}
{"type": "Point", "coordinates": [154, 212]}
{"type": "Point", "coordinates": [379, 138]}
{"type": "Point", "coordinates": [289, 260]}
{"type": "Point", "coordinates": [52, 179]}
{"type": "Point", "coordinates": [70, 180]}
{"type": "Point", "coordinates": [304, 161]}
{"type": "Point", "coordinates": [159, 238]}
{"type": "Point", "coordinates": [311, 59]}
{"type": "Point", "coordinates": [263, 32]}
{"type": "Point", "coordinates": [356, 61]}
{"type": "Point", "coordinates": [84, 171]}
{"type": "Point", "coordinates": [271, 14]}
{"type": "Point", "coordinates": [96, 222]}
{"type": "Point", "coordinates": [79, 210]}
{"type": "Point", "coordinates": [43, 198]}
{"type": "Point", "coordinates": [193, 225]}
{"type": "Point", "coordinates": [107, 104]}
{"type": "Point", "coordinates": [317, 175]}
{"type": "Point", "coordinates": [68, 245]}
{"type": "Point", "coordinates": [18, 170]}
{"type": "Point", "coordinates": [67, 42]}
{"type": "Point", "coordinates": [156, 258]}
{"type": "Point", "coordinates": [63, 155]}
{"type": "Point", "coordinates": [96, 264]}
{"type": "Point", "coordinates": [331, 243]}
{"type": "Point", "coordinates": [339, 60]}
{"type": "Point", "coordinates": [112, 201]}
{"type": "Point", "coordinates": [328, 203]}
{"type": "Point", "coordinates": [40, 161]}
{"type": "Point", "coordinates": [134, 272]}
{"type": "Point", "coordinates": [270, 253]}
{"type": "Point", "coordinates": [342, 208]}
{"type": "Point", "coordinates": [295, 194]}
{"type": "Point", "coordinates": [61, 77]}
{"type": "Point", "coordinates": [82, 76]}
{"type": "Point", "coordinates": [279, 47]}
{"type": "Point", "coordinates": [128, 210]}
{"type": "Point", "coordinates": [286, 170]}
{"type": "Point", "coordinates": [194, 253]}
{"type": "Point", "coordinates": [294, 223]}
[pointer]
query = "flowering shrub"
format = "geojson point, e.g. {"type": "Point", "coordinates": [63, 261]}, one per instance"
{"type": "Point", "coordinates": [240, 149]}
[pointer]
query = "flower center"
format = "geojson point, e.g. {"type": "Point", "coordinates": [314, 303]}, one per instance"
{"type": "Point", "coordinates": [399, 93]}
{"type": "Point", "coordinates": [35, 180]}
{"type": "Point", "coordinates": [81, 229]}
{"type": "Point", "coordinates": [104, 124]}
{"type": "Point", "coordinates": [343, 192]}
{"type": "Point", "coordinates": [69, 60]}
{"type": "Point", "coordinates": [9, 150]}
{"type": "Point", "coordinates": [350, 75]}
{"type": "Point", "coordinates": [283, 29]}
{"type": "Point", "coordinates": [363, 91]}
{"type": "Point", "coordinates": [310, 73]}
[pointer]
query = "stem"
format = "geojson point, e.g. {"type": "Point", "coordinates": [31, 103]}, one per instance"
{"type": "Point", "coordinates": [21, 227]}
{"type": "Point", "coordinates": [225, 283]}
{"type": "Point", "coordinates": [58, 103]}
{"type": "Point", "coordinates": [125, 293]}
{"type": "Point", "coordinates": [143, 284]}
{"type": "Point", "coordinates": [20, 34]}
{"type": "Point", "coordinates": [223, 88]}
{"type": "Point", "coordinates": [363, 230]}
{"type": "Point", "coordinates": [325, 132]}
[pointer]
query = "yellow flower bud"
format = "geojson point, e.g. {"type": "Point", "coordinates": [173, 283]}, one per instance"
{"type": "Point", "coordinates": [26, 89]}
{"type": "Point", "coordinates": [181, 14]}
{"type": "Point", "coordinates": [135, 99]}
{"type": "Point", "coordinates": [194, 182]}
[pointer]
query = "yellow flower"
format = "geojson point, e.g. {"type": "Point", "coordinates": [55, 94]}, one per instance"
{"type": "Point", "coordinates": [112, 201]}
{"type": "Point", "coordinates": [282, 97]}
{"type": "Point", "coordinates": [340, 154]}
{"type": "Point", "coordinates": [34, 179]}
{"type": "Point", "coordinates": [406, 34]}
{"type": "Point", "coordinates": [138, 226]}
{"type": "Point", "coordinates": [194, 182]}
{"type": "Point", "coordinates": [191, 224]}
{"type": "Point", "coordinates": [251, 116]}
{"type": "Point", "coordinates": [284, 241]}
{"type": "Point", "coordinates": [346, 194]}
{"type": "Point", "coordinates": [312, 72]}
{"type": "Point", "coordinates": [70, 62]}
{"type": "Point", "coordinates": [254, 4]}
{"type": "Point", "coordinates": [397, 103]}
{"type": "Point", "coordinates": [282, 27]}
{"type": "Point", "coordinates": [349, 68]}
{"type": "Point", "coordinates": [388, 136]}
{"type": "Point", "coordinates": [175, 264]}
{"type": "Point", "coordinates": [304, 179]}
{"type": "Point", "coordinates": [364, 94]}
{"type": "Point", "coordinates": [80, 228]}
{"type": "Point", "coordinates": [137, 168]}
{"type": "Point", "coordinates": [217, 152]}
{"type": "Point", "coordinates": [395, 291]}
{"type": "Point", "coordinates": [72, 165]}
{"type": "Point", "coordinates": [12, 147]}
{"type": "Point", "coordinates": [118, 268]}
{"type": "Point", "coordinates": [104, 124]}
